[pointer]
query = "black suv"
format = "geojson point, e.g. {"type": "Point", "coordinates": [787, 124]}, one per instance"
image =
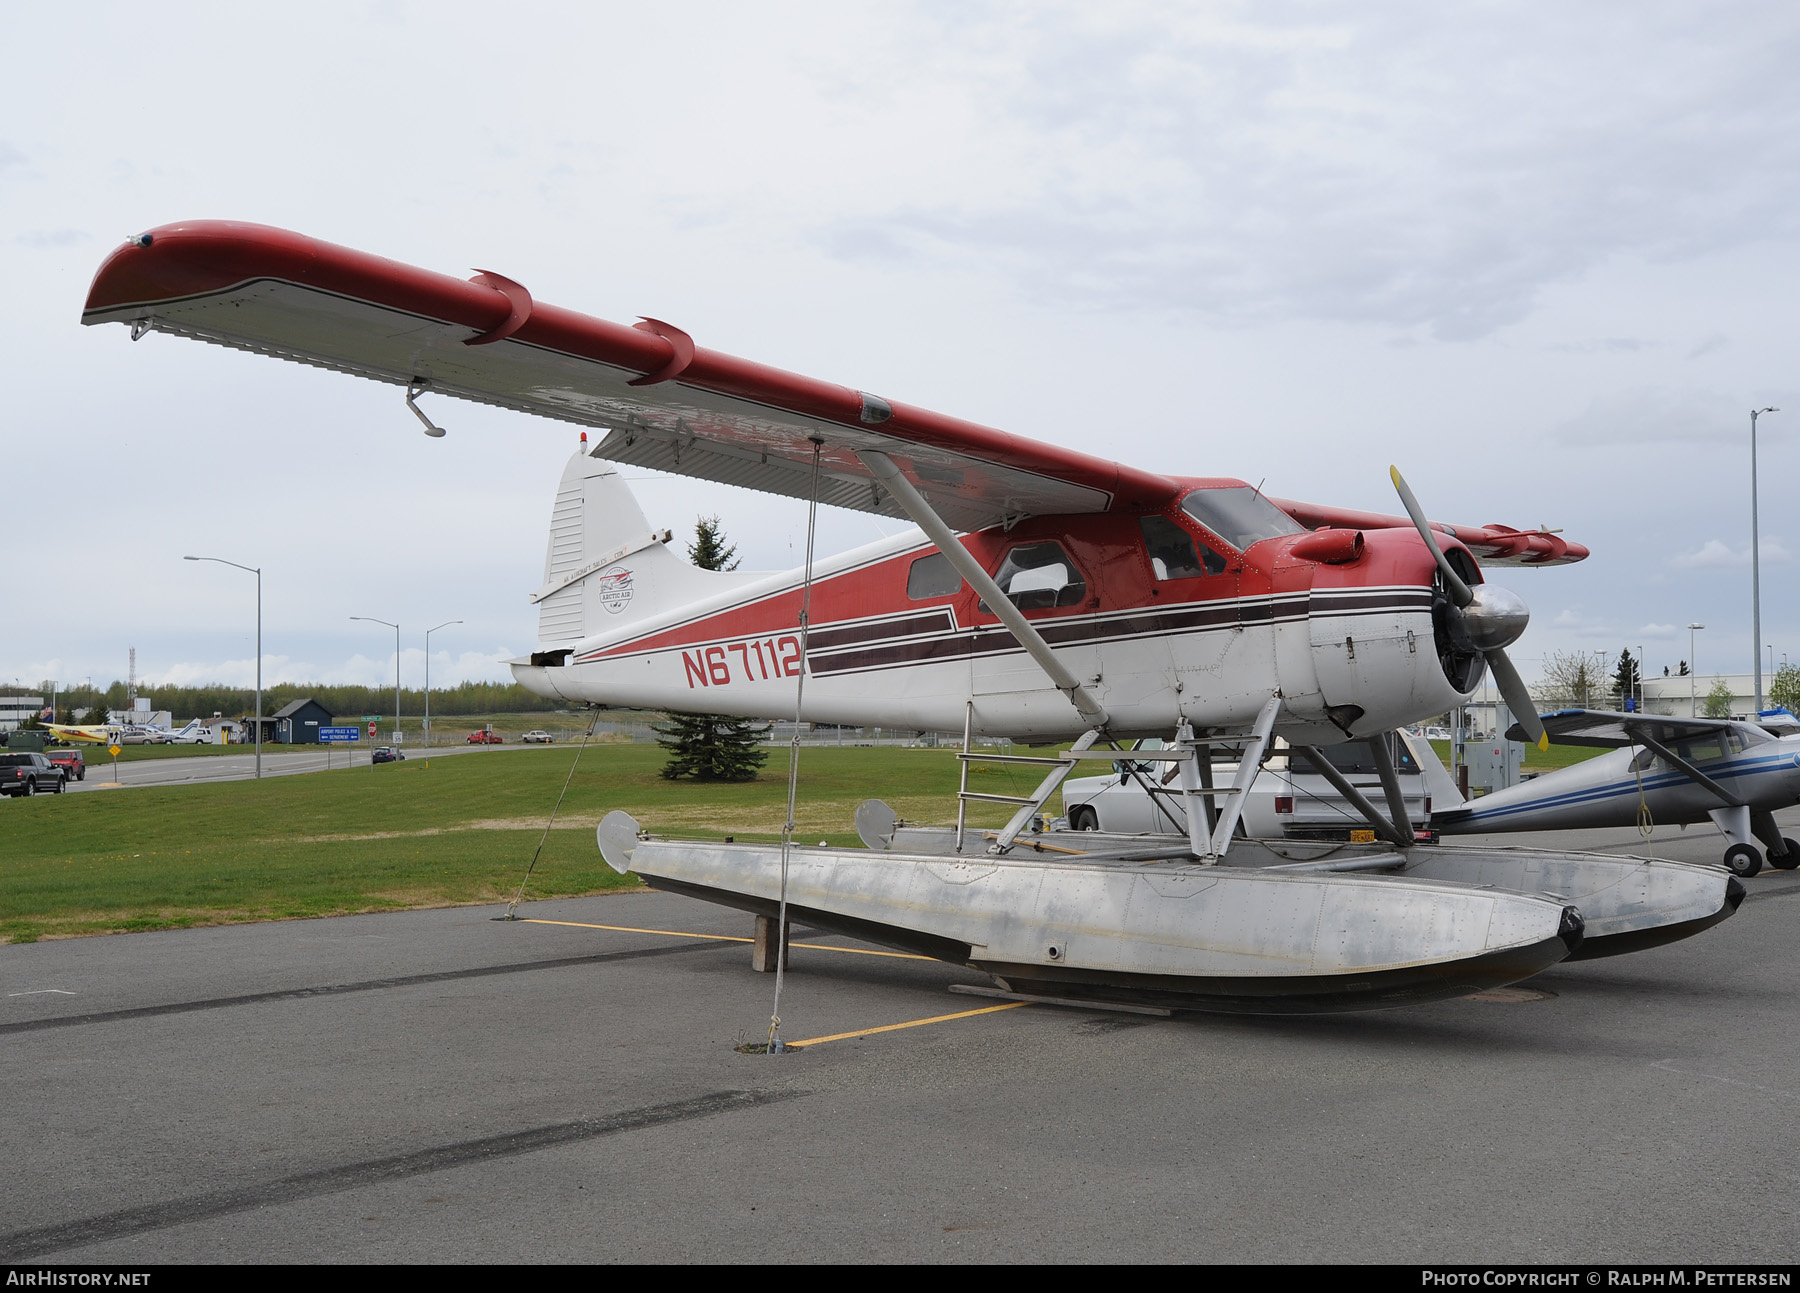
{"type": "Point", "coordinates": [27, 774]}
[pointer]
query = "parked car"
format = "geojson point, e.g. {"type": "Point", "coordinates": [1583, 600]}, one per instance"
{"type": "Point", "coordinates": [71, 761]}
{"type": "Point", "coordinates": [388, 754]}
{"type": "Point", "coordinates": [537, 736]}
{"type": "Point", "coordinates": [30, 774]}
{"type": "Point", "coordinates": [1287, 800]}
{"type": "Point", "coordinates": [487, 737]}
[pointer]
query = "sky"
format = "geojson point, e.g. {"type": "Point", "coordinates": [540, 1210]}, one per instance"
{"type": "Point", "coordinates": [1541, 256]}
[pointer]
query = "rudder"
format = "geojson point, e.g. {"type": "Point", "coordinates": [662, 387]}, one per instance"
{"type": "Point", "coordinates": [604, 567]}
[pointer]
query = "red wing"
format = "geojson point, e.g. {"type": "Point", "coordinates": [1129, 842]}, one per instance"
{"type": "Point", "coordinates": [667, 403]}
{"type": "Point", "coordinates": [1493, 545]}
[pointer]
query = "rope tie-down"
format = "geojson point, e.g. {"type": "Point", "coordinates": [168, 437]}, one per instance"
{"type": "Point", "coordinates": [775, 1046]}
{"type": "Point", "coordinates": [512, 907]}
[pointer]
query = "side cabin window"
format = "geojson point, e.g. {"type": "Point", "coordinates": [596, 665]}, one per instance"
{"type": "Point", "coordinates": [1239, 515]}
{"type": "Point", "coordinates": [1702, 749]}
{"type": "Point", "coordinates": [932, 576]}
{"type": "Point", "coordinates": [1038, 576]}
{"type": "Point", "coordinates": [1174, 554]}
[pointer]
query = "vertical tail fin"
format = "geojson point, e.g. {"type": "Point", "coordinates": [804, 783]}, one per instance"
{"type": "Point", "coordinates": [604, 566]}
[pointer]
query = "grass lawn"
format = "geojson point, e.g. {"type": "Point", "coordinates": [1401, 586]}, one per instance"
{"type": "Point", "coordinates": [413, 834]}
{"type": "Point", "coordinates": [427, 832]}
{"type": "Point", "coordinates": [1557, 756]}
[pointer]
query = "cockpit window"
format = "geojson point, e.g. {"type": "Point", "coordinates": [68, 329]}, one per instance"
{"type": "Point", "coordinates": [932, 576]}
{"type": "Point", "coordinates": [1173, 552]}
{"type": "Point", "coordinates": [1036, 576]}
{"type": "Point", "coordinates": [1239, 515]}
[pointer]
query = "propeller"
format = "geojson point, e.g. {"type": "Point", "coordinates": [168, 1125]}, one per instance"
{"type": "Point", "coordinates": [1491, 618]}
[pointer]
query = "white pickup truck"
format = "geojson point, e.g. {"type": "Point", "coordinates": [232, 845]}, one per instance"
{"type": "Point", "coordinates": [1288, 800]}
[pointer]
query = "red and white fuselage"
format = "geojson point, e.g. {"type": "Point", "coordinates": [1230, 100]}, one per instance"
{"type": "Point", "coordinates": [1355, 639]}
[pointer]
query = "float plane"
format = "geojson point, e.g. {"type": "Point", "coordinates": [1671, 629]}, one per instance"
{"type": "Point", "coordinates": [1048, 595]}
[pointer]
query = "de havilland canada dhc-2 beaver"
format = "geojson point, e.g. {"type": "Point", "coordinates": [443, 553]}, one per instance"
{"type": "Point", "coordinates": [1052, 596]}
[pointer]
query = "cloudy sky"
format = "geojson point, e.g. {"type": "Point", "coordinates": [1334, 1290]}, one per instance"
{"type": "Point", "coordinates": [1543, 256]}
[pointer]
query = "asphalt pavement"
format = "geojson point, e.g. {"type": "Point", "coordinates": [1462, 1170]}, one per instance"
{"type": "Point", "coordinates": [103, 774]}
{"type": "Point", "coordinates": [441, 1086]}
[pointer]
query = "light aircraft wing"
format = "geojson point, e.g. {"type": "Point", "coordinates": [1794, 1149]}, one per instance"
{"type": "Point", "coordinates": [665, 402]}
{"type": "Point", "coordinates": [1610, 730]}
{"type": "Point", "coordinates": [1492, 544]}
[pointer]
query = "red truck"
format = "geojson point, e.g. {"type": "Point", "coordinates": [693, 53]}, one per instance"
{"type": "Point", "coordinates": [487, 736]}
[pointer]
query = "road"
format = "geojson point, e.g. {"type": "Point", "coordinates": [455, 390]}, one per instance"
{"type": "Point", "coordinates": [441, 1086]}
{"type": "Point", "coordinates": [241, 767]}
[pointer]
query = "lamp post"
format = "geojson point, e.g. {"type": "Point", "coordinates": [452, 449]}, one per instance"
{"type": "Point", "coordinates": [372, 620]}
{"type": "Point", "coordinates": [257, 571]}
{"type": "Point", "coordinates": [428, 632]}
{"type": "Point", "coordinates": [1755, 565]}
{"type": "Point", "coordinates": [1693, 671]}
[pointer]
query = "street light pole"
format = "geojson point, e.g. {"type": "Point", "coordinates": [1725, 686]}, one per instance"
{"type": "Point", "coordinates": [372, 620]}
{"type": "Point", "coordinates": [257, 571]}
{"type": "Point", "coordinates": [1693, 671]}
{"type": "Point", "coordinates": [1755, 566]}
{"type": "Point", "coordinates": [428, 632]}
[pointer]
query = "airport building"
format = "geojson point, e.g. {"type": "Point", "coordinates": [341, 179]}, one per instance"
{"type": "Point", "coordinates": [1685, 695]}
{"type": "Point", "coordinates": [299, 723]}
{"type": "Point", "coordinates": [15, 710]}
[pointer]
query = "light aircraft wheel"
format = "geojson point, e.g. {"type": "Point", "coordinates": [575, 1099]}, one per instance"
{"type": "Point", "coordinates": [1083, 818]}
{"type": "Point", "coordinates": [1788, 858]}
{"type": "Point", "coordinates": [1742, 860]}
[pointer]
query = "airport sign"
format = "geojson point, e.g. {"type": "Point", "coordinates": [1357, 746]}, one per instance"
{"type": "Point", "coordinates": [336, 735]}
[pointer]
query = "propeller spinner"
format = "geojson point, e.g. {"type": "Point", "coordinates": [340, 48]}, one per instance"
{"type": "Point", "coordinates": [1490, 618]}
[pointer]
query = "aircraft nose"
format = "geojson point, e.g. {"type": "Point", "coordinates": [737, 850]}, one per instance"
{"type": "Point", "coordinates": [1495, 617]}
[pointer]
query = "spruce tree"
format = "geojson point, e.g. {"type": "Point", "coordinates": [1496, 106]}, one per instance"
{"type": "Point", "coordinates": [712, 747]}
{"type": "Point", "coordinates": [709, 550]}
{"type": "Point", "coordinates": [1625, 677]}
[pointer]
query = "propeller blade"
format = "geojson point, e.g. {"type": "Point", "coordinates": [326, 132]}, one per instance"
{"type": "Point", "coordinates": [1518, 700]}
{"type": "Point", "coordinates": [1459, 591]}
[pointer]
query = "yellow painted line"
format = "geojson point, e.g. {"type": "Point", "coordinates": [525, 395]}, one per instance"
{"type": "Point", "coordinates": [627, 929]}
{"type": "Point", "coordinates": [862, 951]}
{"type": "Point", "coordinates": [911, 1023]}
{"type": "Point", "coordinates": [723, 938]}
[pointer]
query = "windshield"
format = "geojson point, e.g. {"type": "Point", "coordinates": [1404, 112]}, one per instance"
{"type": "Point", "coordinates": [1241, 516]}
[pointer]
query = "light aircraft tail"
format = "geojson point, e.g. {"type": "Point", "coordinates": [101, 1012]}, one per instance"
{"type": "Point", "coordinates": [1440, 786]}
{"type": "Point", "coordinates": [605, 567]}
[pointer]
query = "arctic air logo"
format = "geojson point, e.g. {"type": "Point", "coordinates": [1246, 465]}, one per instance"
{"type": "Point", "coordinates": [615, 588]}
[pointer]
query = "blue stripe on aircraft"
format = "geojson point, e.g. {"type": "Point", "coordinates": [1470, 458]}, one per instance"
{"type": "Point", "coordinates": [1658, 781]}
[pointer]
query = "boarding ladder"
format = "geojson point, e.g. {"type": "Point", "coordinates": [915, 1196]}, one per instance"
{"type": "Point", "coordinates": [1210, 825]}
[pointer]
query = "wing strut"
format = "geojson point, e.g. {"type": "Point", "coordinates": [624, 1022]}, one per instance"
{"type": "Point", "coordinates": [895, 482]}
{"type": "Point", "coordinates": [1687, 769]}
{"type": "Point", "coordinates": [1342, 785]}
{"type": "Point", "coordinates": [1390, 784]}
